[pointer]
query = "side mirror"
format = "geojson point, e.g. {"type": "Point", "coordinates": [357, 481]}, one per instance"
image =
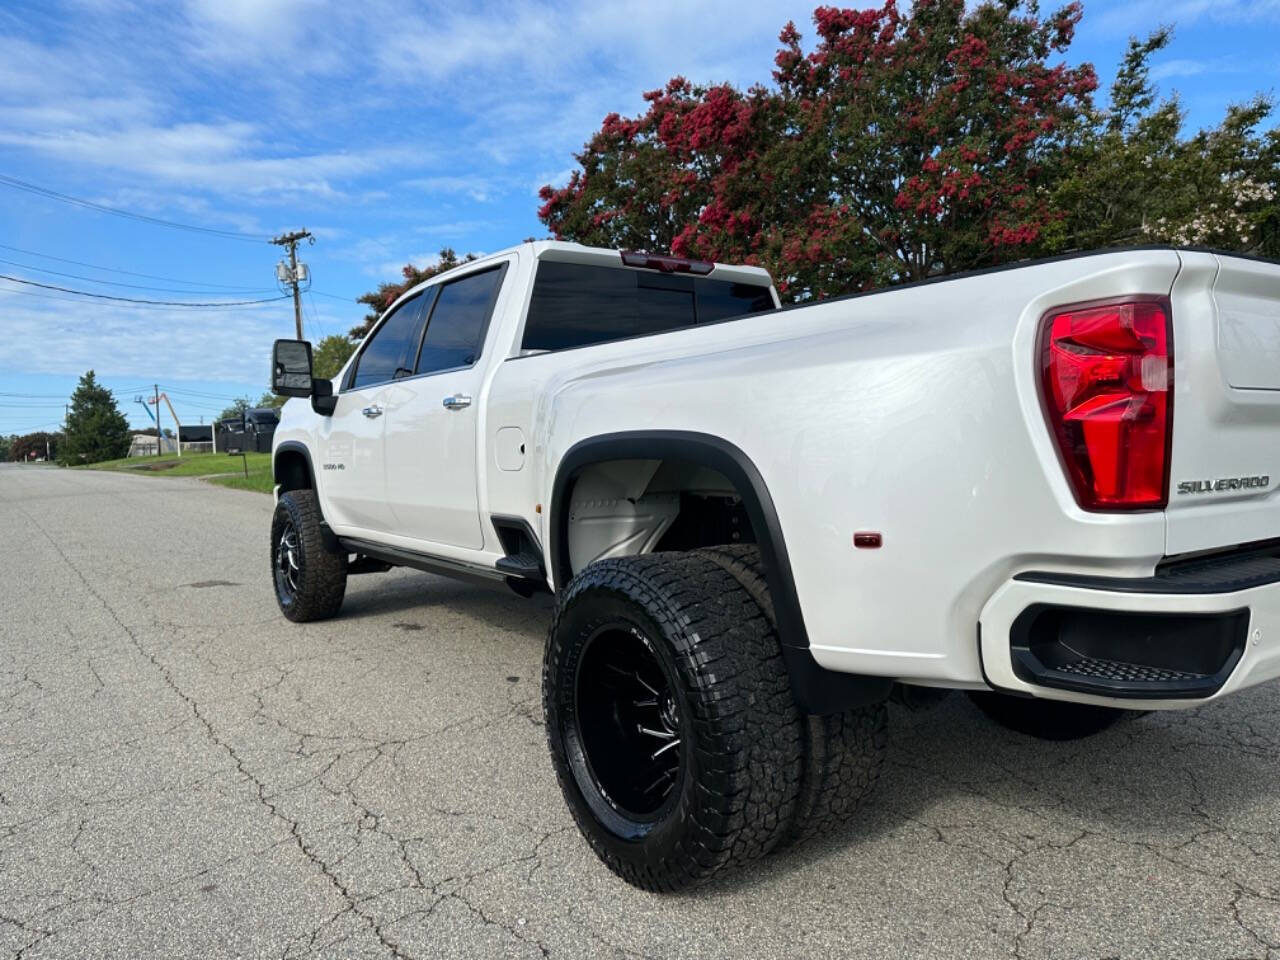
{"type": "Point", "coordinates": [291, 368]}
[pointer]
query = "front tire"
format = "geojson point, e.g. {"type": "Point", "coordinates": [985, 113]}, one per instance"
{"type": "Point", "coordinates": [1048, 719]}
{"type": "Point", "coordinates": [309, 580]}
{"type": "Point", "coordinates": [670, 719]}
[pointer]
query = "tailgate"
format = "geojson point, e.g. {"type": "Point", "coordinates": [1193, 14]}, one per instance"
{"type": "Point", "coordinates": [1225, 468]}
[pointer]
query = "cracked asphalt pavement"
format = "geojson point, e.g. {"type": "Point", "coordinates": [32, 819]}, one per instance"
{"type": "Point", "coordinates": [183, 773]}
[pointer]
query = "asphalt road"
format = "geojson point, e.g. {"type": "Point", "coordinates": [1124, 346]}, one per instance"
{"type": "Point", "coordinates": [183, 773]}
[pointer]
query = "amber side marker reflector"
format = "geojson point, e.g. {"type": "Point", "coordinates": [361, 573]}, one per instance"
{"type": "Point", "coordinates": [868, 540]}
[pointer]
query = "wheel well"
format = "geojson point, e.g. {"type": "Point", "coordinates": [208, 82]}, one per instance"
{"type": "Point", "coordinates": [293, 470]}
{"type": "Point", "coordinates": [619, 508]}
{"type": "Point", "coordinates": [662, 474]}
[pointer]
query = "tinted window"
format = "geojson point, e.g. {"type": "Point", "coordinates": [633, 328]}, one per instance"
{"type": "Point", "coordinates": [720, 300]}
{"type": "Point", "coordinates": [455, 332]}
{"type": "Point", "coordinates": [574, 304]}
{"type": "Point", "coordinates": [390, 351]}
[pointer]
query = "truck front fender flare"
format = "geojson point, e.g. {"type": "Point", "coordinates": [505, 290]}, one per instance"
{"type": "Point", "coordinates": [294, 447]}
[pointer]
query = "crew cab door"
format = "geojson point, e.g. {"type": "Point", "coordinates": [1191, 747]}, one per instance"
{"type": "Point", "coordinates": [352, 441]}
{"type": "Point", "coordinates": [432, 418]}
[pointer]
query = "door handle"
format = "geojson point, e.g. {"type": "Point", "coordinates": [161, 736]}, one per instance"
{"type": "Point", "coordinates": [371, 412]}
{"type": "Point", "coordinates": [457, 402]}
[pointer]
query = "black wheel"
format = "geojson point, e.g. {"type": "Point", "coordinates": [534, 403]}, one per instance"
{"type": "Point", "coordinates": [1048, 719]}
{"type": "Point", "coordinates": [843, 752]}
{"type": "Point", "coordinates": [309, 580]}
{"type": "Point", "coordinates": [670, 719]}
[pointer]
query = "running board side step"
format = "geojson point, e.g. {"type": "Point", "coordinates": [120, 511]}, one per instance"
{"type": "Point", "coordinates": [523, 560]}
{"type": "Point", "coordinates": [400, 557]}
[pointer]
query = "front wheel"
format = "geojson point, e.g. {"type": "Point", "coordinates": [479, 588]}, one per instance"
{"type": "Point", "coordinates": [309, 580]}
{"type": "Point", "coordinates": [670, 719]}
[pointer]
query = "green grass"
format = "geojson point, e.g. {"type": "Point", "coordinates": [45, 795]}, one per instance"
{"type": "Point", "coordinates": [188, 465]}
{"type": "Point", "coordinates": [199, 465]}
{"type": "Point", "coordinates": [260, 480]}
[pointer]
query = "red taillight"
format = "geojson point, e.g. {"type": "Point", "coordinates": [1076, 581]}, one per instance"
{"type": "Point", "coordinates": [1108, 378]}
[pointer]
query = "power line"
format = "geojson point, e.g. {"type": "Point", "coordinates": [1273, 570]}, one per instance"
{"type": "Point", "coordinates": [42, 295]}
{"type": "Point", "coordinates": [196, 393]}
{"type": "Point", "coordinates": [127, 273]}
{"type": "Point", "coordinates": [315, 316]}
{"type": "Point", "coordinates": [131, 286]}
{"type": "Point", "coordinates": [161, 303]}
{"type": "Point", "coordinates": [16, 184]}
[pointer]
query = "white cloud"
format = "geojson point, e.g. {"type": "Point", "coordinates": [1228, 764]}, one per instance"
{"type": "Point", "coordinates": [144, 342]}
{"type": "Point", "coordinates": [1141, 16]}
{"type": "Point", "coordinates": [1178, 68]}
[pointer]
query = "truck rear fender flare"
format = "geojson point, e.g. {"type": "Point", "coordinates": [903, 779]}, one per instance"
{"type": "Point", "coordinates": [816, 690]}
{"type": "Point", "coordinates": [703, 450]}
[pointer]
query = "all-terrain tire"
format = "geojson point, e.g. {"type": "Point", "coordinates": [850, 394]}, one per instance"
{"type": "Point", "coordinates": [843, 752]}
{"type": "Point", "coordinates": [734, 794]}
{"type": "Point", "coordinates": [1048, 719]}
{"type": "Point", "coordinates": [309, 580]}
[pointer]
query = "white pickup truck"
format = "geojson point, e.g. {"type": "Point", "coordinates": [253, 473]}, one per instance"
{"type": "Point", "coordinates": [1050, 485]}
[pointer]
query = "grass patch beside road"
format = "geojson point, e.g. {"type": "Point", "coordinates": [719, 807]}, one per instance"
{"type": "Point", "coordinates": [259, 479]}
{"type": "Point", "coordinates": [187, 465]}
{"type": "Point", "coordinates": [200, 465]}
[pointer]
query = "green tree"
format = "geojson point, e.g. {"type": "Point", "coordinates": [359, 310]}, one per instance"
{"type": "Point", "coordinates": [387, 293]}
{"type": "Point", "coordinates": [236, 409]}
{"type": "Point", "coordinates": [95, 428]}
{"type": "Point", "coordinates": [269, 399]}
{"type": "Point", "coordinates": [1131, 177]}
{"type": "Point", "coordinates": [6, 443]}
{"type": "Point", "coordinates": [330, 354]}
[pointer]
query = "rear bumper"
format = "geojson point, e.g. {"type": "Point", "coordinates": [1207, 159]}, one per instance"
{"type": "Point", "coordinates": [1193, 632]}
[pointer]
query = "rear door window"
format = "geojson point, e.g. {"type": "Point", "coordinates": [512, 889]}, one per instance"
{"type": "Point", "coordinates": [574, 305]}
{"type": "Point", "coordinates": [459, 319]}
{"type": "Point", "coordinates": [390, 351]}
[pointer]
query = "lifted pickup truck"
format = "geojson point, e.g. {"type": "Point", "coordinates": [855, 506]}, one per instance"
{"type": "Point", "coordinates": [1049, 485]}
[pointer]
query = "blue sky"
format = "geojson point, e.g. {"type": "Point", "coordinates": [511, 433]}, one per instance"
{"type": "Point", "coordinates": [388, 129]}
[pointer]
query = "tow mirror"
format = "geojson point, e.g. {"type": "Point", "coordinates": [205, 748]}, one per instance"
{"type": "Point", "coordinates": [291, 368]}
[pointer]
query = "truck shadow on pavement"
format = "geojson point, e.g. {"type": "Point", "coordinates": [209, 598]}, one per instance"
{"type": "Point", "coordinates": [1158, 782]}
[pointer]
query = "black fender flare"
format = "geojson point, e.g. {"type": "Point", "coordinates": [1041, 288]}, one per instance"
{"type": "Point", "coordinates": [292, 446]}
{"type": "Point", "coordinates": [295, 446]}
{"type": "Point", "coordinates": [816, 689]}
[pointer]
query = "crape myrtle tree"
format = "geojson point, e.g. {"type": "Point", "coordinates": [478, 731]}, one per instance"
{"type": "Point", "coordinates": [95, 429]}
{"type": "Point", "coordinates": [906, 143]}
{"type": "Point", "coordinates": [911, 143]}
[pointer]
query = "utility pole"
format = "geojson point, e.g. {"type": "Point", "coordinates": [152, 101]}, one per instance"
{"type": "Point", "coordinates": [288, 275]}
{"type": "Point", "coordinates": [158, 433]}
